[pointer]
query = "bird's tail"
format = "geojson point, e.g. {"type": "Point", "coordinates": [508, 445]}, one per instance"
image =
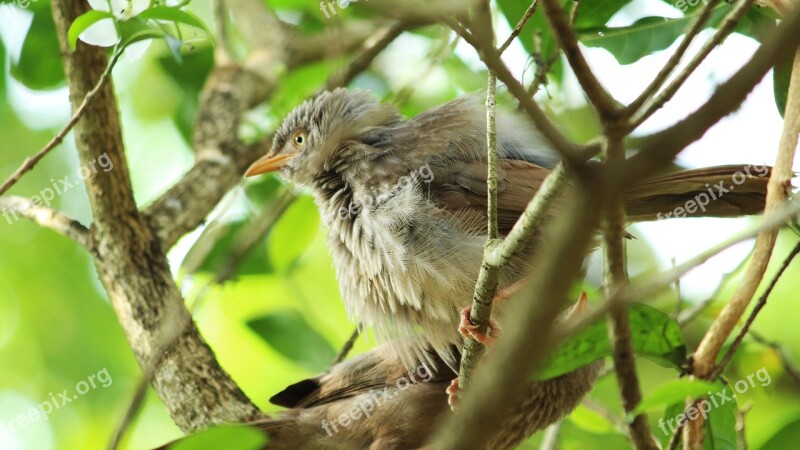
{"type": "Point", "coordinates": [722, 191]}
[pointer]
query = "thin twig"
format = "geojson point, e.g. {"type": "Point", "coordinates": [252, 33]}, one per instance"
{"type": "Point", "coordinates": [662, 147]}
{"type": "Point", "coordinates": [551, 435]}
{"type": "Point", "coordinates": [688, 315]}
{"type": "Point", "coordinates": [542, 66]}
{"type": "Point", "coordinates": [348, 346]}
{"type": "Point", "coordinates": [697, 25]}
{"type": "Point", "coordinates": [31, 162]}
{"type": "Point", "coordinates": [662, 281]}
{"type": "Point", "coordinates": [246, 239]}
{"type": "Point", "coordinates": [131, 412]}
{"type": "Point", "coordinates": [47, 217]}
{"type": "Point", "coordinates": [371, 48]}
{"type": "Point", "coordinates": [728, 25]}
{"type": "Point", "coordinates": [785, 359]}
{"type": "Point", "coordinates": [223, 51]}
{"type": "Point", "coordinates": [515, 32]}
{"type": "Point", "coordinates": [615, 279]}
{"type": "Point", "coordinates": [489, 275]}
{"type": "Point", "coordinates": [762, 301]}
{"type": "Point", "coordinates": [606, 106]}
{"type": "Point", "coordinates": [569, 150]}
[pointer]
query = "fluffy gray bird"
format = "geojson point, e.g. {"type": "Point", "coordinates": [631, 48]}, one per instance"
{"type": "Point", "coordinates": [374, 402]}
{"type": "Point", "coordinates": [404, 204]}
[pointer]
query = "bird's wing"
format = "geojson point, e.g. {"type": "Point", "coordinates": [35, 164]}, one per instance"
{"type": "Point", "coordinates": [368, 372]}
{"type": "Point", "coordinates": [463, 188]}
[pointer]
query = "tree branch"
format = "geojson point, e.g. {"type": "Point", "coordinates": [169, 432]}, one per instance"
{"type": "Point", "coordinates": [517, 29]}
{"type": "Point", "coordinates": [615, 279]}
{"type": "Point", "coordinates": [762, 301]}
{"type": "Point", "coordinates": [662, 147]}
{"type": "Point", "coordinates": [488, 276]}
{"type": "Point", "coordinates": [46, 217]}
{"type": "Point", "coordinates": [570, 151]}
{"type": "Point", "coordinates": [697, 25]}
{"type": "Point", "coordinates": [31, 162]}
{"type": "Point", "coordinates": [372, 47]}
{"type": "Point", "coordinates": [130, 260]}
{"type": "Point", "coordinates": [484, 407]}
{"type": "Point", "coordinates": [649, 108]}
{"type": "Point", "coordinates": [607, 107]}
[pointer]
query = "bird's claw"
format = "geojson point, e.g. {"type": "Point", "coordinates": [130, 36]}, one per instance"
{"type": "Point", "coordinates": [452, 394]}
{"type": "Point", "coordinates": [470, 331]}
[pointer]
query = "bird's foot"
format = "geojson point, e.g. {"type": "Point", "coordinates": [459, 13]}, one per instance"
{"type": "Point", "coordinates": [510, 290]}
{"type": "Point", "coordinates": [470, 330]}
{"type": "Point", "coordinates": [452, 394]}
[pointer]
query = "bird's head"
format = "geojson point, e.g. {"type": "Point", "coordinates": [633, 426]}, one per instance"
{"type": "Point", "coordinates": [324, 134]}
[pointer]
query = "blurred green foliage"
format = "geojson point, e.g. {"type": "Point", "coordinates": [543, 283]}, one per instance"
{"type": "Point", "coordinates": [280, 318]}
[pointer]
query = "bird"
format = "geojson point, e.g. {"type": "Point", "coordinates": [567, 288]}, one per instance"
{"type": "Point", "coordinates": [373, 401]}
{"type": "Point", "coordinates": [404, 205]}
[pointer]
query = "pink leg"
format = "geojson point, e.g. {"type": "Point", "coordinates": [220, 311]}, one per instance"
{"type": "Point", "coordinates": [452, 394]}
{"type": "Point", "coordinates": [470, 331]}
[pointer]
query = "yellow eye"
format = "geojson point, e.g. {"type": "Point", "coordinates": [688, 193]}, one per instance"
{"type": "Point", "coordinates": [299, 138]}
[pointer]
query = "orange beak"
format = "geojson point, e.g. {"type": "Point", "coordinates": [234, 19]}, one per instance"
{"type": "Point", "coordinates": [268, 164]}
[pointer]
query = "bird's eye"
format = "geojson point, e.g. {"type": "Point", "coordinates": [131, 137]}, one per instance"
{"type": "Point", "coordinates": [299, 138]}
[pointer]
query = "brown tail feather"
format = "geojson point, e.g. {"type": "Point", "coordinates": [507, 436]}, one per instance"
{"type": "Point", "coordinates": [723, 191]}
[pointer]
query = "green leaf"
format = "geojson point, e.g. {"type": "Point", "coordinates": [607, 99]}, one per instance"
{"type": "Point", "coordinates": [293, 234]}
{"type": "Point", "coordinates": [39, 66]}
{"type": "Point", "coordinates": [229, 437]}
{"type": "Point", "coordinates": [790, 433]}
{"type": "Point", "coordinates": [645, 36]}
{"type": "Point", "coordinates": [591, 14]}
{"type": "Point", "coordinates": [289, 333]}
{"type": "Point", "coordinates": [719, 411]}
{"type": "Point", "coordinates": [721, 427]}
{"type": "Point", "coordinates": [591, 421]}
{"type": "Point", "coordinates": [596, 13]}
{"type": "Point", "coordinates": [189, 74]}
{"type": "Point", "coordinates": [176, 15]}
{"type": "Point", "coordinates": [671, 392]}
{"type": "Point", "coordinates": [781, 75]}
{"type": "Point", "coordinates": [83, 22]}
{"type": "Point", "coordinates": [136, 29]}
{"type": "Point", "coordinates": [654, 334]}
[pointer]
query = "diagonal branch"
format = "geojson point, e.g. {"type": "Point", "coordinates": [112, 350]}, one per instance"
{"type": "Point", "coordinates": [662, 147]}
{"type": "Point", "coordinates": [31, 162]}
{"type": "Point", "coordinates": [130, 260]}
{"type": "Point", "coordinates": [649, 108]}
{"type": "Point", "coordinates": [697, 25]}
{"type": "Point", "coordinates": [570, 151]}
{"type": "Point", "coordinates": [11, 206]}
{"type": "Point", "coordinates": [606, 106]}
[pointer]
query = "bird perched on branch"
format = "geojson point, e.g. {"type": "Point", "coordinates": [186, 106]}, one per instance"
{"type": "Point", "coordinates": [404, 204]}
{"type": "Point", "coordinates": [374, 402]}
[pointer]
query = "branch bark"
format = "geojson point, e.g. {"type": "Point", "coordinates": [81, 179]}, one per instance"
{"type": "Point", "coordinates": [130, 260]}
{"type": "Point", "coordinates": [777, 192]}
{"type": "Point", "coordinates": [11, 206]}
